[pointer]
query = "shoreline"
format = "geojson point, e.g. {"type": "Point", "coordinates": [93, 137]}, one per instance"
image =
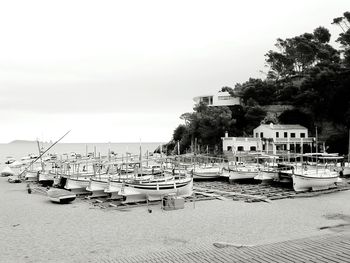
{"type": "Point", "coordinates": [37, 230]}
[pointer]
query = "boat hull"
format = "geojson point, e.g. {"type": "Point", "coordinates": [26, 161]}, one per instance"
{"type": "Point", "coordinates": [31, 176]}
{"type": "Point", "coordinates": [46, 178]}
{"type": "Point", "coordinates": [97, 187]}
{"type": "Point", "coordinates": [61, 196]}
{"type": "Point", "coordinates": [206, 173]}
{"type": "Point", "coordinates": [77, 185]}
{"type": "Point", "coordinates": [346, 171]}
{"type": "Point", "coordinates": [305, 183]}
{"type": "Point", "coordinates": [152, 192]}
{"type": "Point", "coordinates": [266, 176]}
{"type": "Point", "coordinates": [7, 171]}
{"type": "Point", "coordinates": [242, 174]}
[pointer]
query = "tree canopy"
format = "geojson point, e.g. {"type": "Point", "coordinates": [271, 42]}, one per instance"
{"type": "Point", "coordinates": [304, 71]}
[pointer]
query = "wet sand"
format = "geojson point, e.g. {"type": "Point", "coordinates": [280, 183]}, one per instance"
{"type": "Point", "coordinates": [33, 229]}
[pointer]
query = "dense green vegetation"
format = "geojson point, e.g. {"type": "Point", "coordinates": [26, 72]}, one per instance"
{"type": "Point", "coordinates": [305, 73]}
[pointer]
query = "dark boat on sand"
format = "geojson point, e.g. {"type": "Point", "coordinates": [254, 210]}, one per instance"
{"type": "Point", "coordinates": [61, 196]}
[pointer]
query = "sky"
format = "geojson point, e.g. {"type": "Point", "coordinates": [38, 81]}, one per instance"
{"type": "Point", "coordinates": [125, 71]}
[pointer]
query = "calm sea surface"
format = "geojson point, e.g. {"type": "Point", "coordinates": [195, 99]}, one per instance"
{"type": "Point", "coordinates": [21, 149]}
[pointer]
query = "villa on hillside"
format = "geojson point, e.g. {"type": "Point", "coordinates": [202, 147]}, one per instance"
{"type": "Point", "coordinates": [270, 138]}
{"type": "Point", "coordinates": [222, 98]}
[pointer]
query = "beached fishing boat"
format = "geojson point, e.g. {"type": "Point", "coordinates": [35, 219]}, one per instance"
{"type": "Point", "coordinates": [346, 169]}
{"type": "Point", "coordinates": [134, 191]}
{"type": "Point", "coordinates": [113, 188]}
{"type": "Point", "coordinates": [97, 187]}
{"type": "Point", "coordinates": [268, 170]}
{"type": "Point", "coordinates": [317, 176]}
{"type": "Point", "coordinates": [241, 171]}
{"type": "Point", "coordinates": [10, 160]}
{"type": "Point", "coordinates": [7, 171]}
{"type": "Point", "coordinates": [31, 175]}
{"type": "Point", "coordinates": [206, 172]}
{"type": "Point", "coordinates": [46, 178]}
{"type": "Point", "coordinates": [244, 172]}
{"type": "Point", "coordinates": [315, 180]}
{"type": "Point", "coordinates": [16, 167]}
{"type": "Point", "coordinates": [60, 196]}
{"type": "Point", "coordinates": [77, 184]}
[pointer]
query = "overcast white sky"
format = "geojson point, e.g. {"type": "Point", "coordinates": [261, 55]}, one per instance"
{"type": "Point", "coordinates": [119, 71]}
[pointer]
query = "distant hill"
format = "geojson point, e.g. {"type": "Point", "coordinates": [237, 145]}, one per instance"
{"type": "Point", "coordinates": [21, 141]}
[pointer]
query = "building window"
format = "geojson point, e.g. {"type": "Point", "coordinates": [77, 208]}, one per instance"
{"type": "Point", "coordinates": [277, 134]}
{"type": "Point", "coordinates": [207, 100]}
{"type": "Point", "coordinates": [285, 134]}
{"type": "Point", "coordinates": [229, 148]}
{"type": "Point", "coordinates": [292, 135]}
{"type": "Point", "coordinates": [224, 97]}
{"type": "Point", "coordinates": [240, 148]}
{"type": "Point", "coordinates": [256, 135]}
{"type": "Point", "coordinates": [253, 148]}
{"type": "Point", "coordinates": [261, 134]}
{"type": "Point", "coordinates": [302, 135]}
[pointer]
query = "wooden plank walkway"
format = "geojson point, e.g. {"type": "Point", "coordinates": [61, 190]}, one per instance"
{"type": "Point", "coordinates": [326, 248]}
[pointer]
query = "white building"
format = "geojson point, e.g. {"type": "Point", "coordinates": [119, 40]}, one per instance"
{"type": "Point", "coordinates": [270, 138]}
{"type": "Point", "coordinates": [241, 144]}
{"type": "Point", "coordinates": [222, 98]}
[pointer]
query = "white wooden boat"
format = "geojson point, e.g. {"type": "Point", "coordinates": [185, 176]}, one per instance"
{"type": "Point", "coordinates": [113, 188]}
{"type": "Point", "coordinates": [61, 196]}
{"type": "Point", "coordinates": [77, 184]}
{"type": "Point", "coordinates": [241, 171]}
{"type": "Point", "coordinates": [268, 168]}
{"type": "Point", "coordinates": [7, 171]}
{"type": "Point", "coordinates": [16, 167]}
{"type": "Point", "coordinates": [136, 192]}
{"type": "Point", "coordinates": [31, 176]}
{"type": "Point", "coordinates": [206, 172]}
{"type": "Point", "coordinates": [46, 178]}
{"type": "Point", "coordinates": [97, 187]}
{"type": "Point", "coordinates": [9, 160]}
{"type": "Point", "coordinates": [346, 171]}
{"type": "Point", "coordinates": [267, 175]}
{"type": "Point", "coordinates": [315, 180]}
{"type": "Point", "coordinates": [149, 170]}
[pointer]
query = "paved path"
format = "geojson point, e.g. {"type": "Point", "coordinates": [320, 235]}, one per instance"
{"type": "Point", "coordinates": [333, 248]}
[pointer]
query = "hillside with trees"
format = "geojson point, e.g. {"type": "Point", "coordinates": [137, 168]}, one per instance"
{"type": "Point", "coordinates": [305, 73]}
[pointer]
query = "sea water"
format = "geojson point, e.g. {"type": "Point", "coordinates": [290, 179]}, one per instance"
{"type": "Point", "coordinates": [18, 150]}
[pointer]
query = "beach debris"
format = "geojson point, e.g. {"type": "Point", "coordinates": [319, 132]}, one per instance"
{"type": "Point", "coordinates": [29, 189]}
{"type": "Point", "coordinates": [225, 244]}
{"type": "Point", "coordinates": [15, 225]}
{"type": "Point", "coordinates": [339, 227]}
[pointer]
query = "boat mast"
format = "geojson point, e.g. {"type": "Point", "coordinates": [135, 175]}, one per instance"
{"type": "Point", "coordinates": [302, 159]}
{"type": "Point", "coordinates": [41, 160]}
{"type": "Point", "coordinates": [349, 149]}
{"type": "Point", "coordinates": [316, 151]}
{"type": "Point", "coordinates": [140, 157]}
{"type": "Point", "coordinates": [25, 169]}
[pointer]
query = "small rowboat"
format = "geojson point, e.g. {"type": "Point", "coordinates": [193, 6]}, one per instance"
{"type": "Point", "coordinates": [61, 196]}
{"type": "Point", "coordinates": [7, 172]}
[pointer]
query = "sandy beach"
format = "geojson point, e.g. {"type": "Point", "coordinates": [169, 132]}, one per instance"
{"type": "Point", "coordinates": [33, 229]}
